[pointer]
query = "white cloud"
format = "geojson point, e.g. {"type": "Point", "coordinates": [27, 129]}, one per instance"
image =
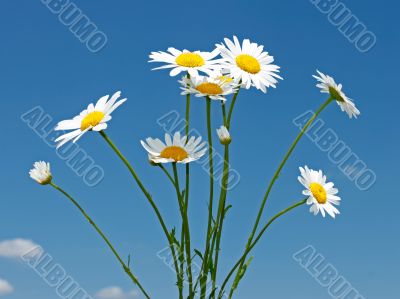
{"type": "Point", "coordinates": [116, 293]}
{"type": "Point", "coordinates": [16, 248]}
{"type": "Point", "coordinates": [5, 287]}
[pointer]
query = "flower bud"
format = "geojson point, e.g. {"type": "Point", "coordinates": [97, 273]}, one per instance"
{"type": "Point", "coordinates": [41, 173]}
{"type": "Point", "coordinates": [224, 136]}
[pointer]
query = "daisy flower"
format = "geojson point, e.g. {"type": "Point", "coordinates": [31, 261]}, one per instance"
{"type": "Point", "coordinates": [249, 64]}
{"type": "Point", "coordinates": [94, 118]}
{"type": "Point", "coordinates": [321, 195]}
{"type": "Point", "coordinates": [177, 149]}
{"type": "Point", "coordinates": [41, 173]}
{"type": "Point", "coordinates": [186, 61]}
{"type": "Point", "coordinates": [224, 136]}
{"type": "Point", "coordinates": [216, 88]}
{"type": "Point", "coordinates": [328, 85]}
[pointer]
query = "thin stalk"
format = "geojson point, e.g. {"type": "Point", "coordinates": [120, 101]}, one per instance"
{"type": "Point", "coordinates": [220, 217]}
{"type": "Point", "coordinates": [151, 202]}
{"type": "Point", "coordinates": [207, 253]}
{"type": "Point", "coordinates": [228, 121]}
{"type": "Point", "coordinates": [187, 180]}
{"type": "Point", "coordinates": [186, 231]}
{"type": "Point", "coordinates": [171, 179]}
{"type": "Point", "coordinates": [277, 173]}
{"type": "Point", "coordinates": [224, 113]}
{"type": "Point", "coordinates": [178, 268]}
{"type": "Point", "coordinates": [187, 116]}
{"type": "Point", "coordinates": [263, 230]}
{"type": "Point", "coordinates": [103, 236]}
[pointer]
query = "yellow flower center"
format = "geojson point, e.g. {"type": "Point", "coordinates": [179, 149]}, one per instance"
{"type": "Point", "coordinates": [225, 79]}
{"type": "Point", "coordinates": [174, 152]}
{"type": "Point", "coordinates": [318, 192]}
{"type": "Point", "coordinates": [189, 59]}
{"type": "Point", "coordinates": [248, 64]}
{"type": "Point", "coordinates": [209, 88]}
{"type": "Point", "coordinates": [92, 120]}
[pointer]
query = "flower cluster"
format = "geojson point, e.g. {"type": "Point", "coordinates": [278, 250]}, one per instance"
{"type": "Point", "coordinates": [214, 76]}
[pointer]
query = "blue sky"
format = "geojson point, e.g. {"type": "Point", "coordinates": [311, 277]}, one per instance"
{"type": "Point", "coordinates": [44, 64]}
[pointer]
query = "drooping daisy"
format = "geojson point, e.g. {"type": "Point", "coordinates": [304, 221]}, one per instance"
{"type": "Point", "coordinates": [216, 88]}
{"type": "Point", "coordinates": [322, 195]}
{"type": "Point", "coordinates": [177, 149]}
{"type": "Point", "coordinates": [95, 118]}
{"type": "Point", "coordinates": [249, 64]}
{"type": "Point", "coordinates": [224, 136]}
{"type": "Point", "coordinates": [41, 173]}
{"type": "Point", "coordinates": [328, 85]}
{"type": "Point", "coordinates": [186, 61]}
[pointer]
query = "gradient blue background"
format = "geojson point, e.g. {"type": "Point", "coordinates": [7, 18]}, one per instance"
{"type": "Point", "coordinates": [42, 63]}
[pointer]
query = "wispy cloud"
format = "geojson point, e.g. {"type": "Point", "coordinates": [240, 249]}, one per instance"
{"type": "Point", "coordinates": [5, 287]}
{"type": "Point", "coordinates": [16, 248]}
{"type": "Point", "coordinates": [116, 293]}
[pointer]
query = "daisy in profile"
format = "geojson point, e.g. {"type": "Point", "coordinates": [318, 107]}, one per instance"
{"type": "Point", "coordinates": [186, 61]}
{"type": "Point", "coordinates": [321, 195]}
{"type": "Point", "coordinates": [216, 88]}
{"type": "Point", "coordinates": [94, 118]}
{"type": "Point", "coordinates": [41, 173]}
{"type": "Point", "coordinates": [249, 64]}
{"type": "Point", "coordinates": [328, 85]}
{"type": "Point", "coordinates": [177, 149]}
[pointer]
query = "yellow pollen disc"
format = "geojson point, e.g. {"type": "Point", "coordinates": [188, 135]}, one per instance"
{"type": "Point", "coordinates": [225, 79]}
{"type": "Point", "coordinates": [318, 192]}
{"type": "Point", "coordinates": [189, 59]}
{"type": "Point", "coordinates": [174, 152]}
{"type": "Point", "coordinates": [248, 64]}
{"type": "Point", "coordinates": [209, 88]}
{"type": "Point", "coordinates": [92, 120]}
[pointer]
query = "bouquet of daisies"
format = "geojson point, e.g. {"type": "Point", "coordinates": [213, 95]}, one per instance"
{"type": "Point", "coordinates": [217, 77]}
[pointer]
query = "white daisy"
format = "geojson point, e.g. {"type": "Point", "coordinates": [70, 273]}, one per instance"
{"type": "Point", "coordinates": [41, 173]}
{"type": "Point", "coordinates": [224, 136]}
{"type": "Point", "coordinates": [249, 64]}
{"type": "Point", "coordinates": [328, 85]}
{"type": "Point", "coordinates": [95, 118]}
{"type": "Point", "coordinates": [216, 88]}
{"type": "Point", "coordinates": [322, 195]}
{"type": "Point", "coordinates": [179, 149]}
{"type": "Point", "coordinates": [186, 61]}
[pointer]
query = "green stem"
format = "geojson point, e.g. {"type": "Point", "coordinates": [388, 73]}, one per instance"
{"type": "Point", "coordinates": [187, 177]}
{"type": "Point", "coordinates": [277, 173]}
{"type": "Point", "coordinates": [228, 122]}
{"type": "Point", "coordinates": [207, 253]}
{"type": "Point", "coordinates": [187, 117]}
{"type": "Point", "coordinates": [167, 173]}
{"type": "Point", "coordinates": [151, 202]}
{"type": "Point", "coordinates": [263, 230]}
{"type": "Point", "coordinates": [178, 268]}
{"type": "Point", "coordinates": [220, 217]}
{"type": "Point", "coordinates": [100, 232]}
{"type": "Point", "coordinates": [224, 113]}
{"type": "Point", "coordinates": [186, 231]}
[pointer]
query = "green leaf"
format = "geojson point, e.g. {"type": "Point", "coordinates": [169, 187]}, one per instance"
{"type": "Point", "coordinates": [198, 253]}
{"type": "Point", "coordinates": [242, 272]}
